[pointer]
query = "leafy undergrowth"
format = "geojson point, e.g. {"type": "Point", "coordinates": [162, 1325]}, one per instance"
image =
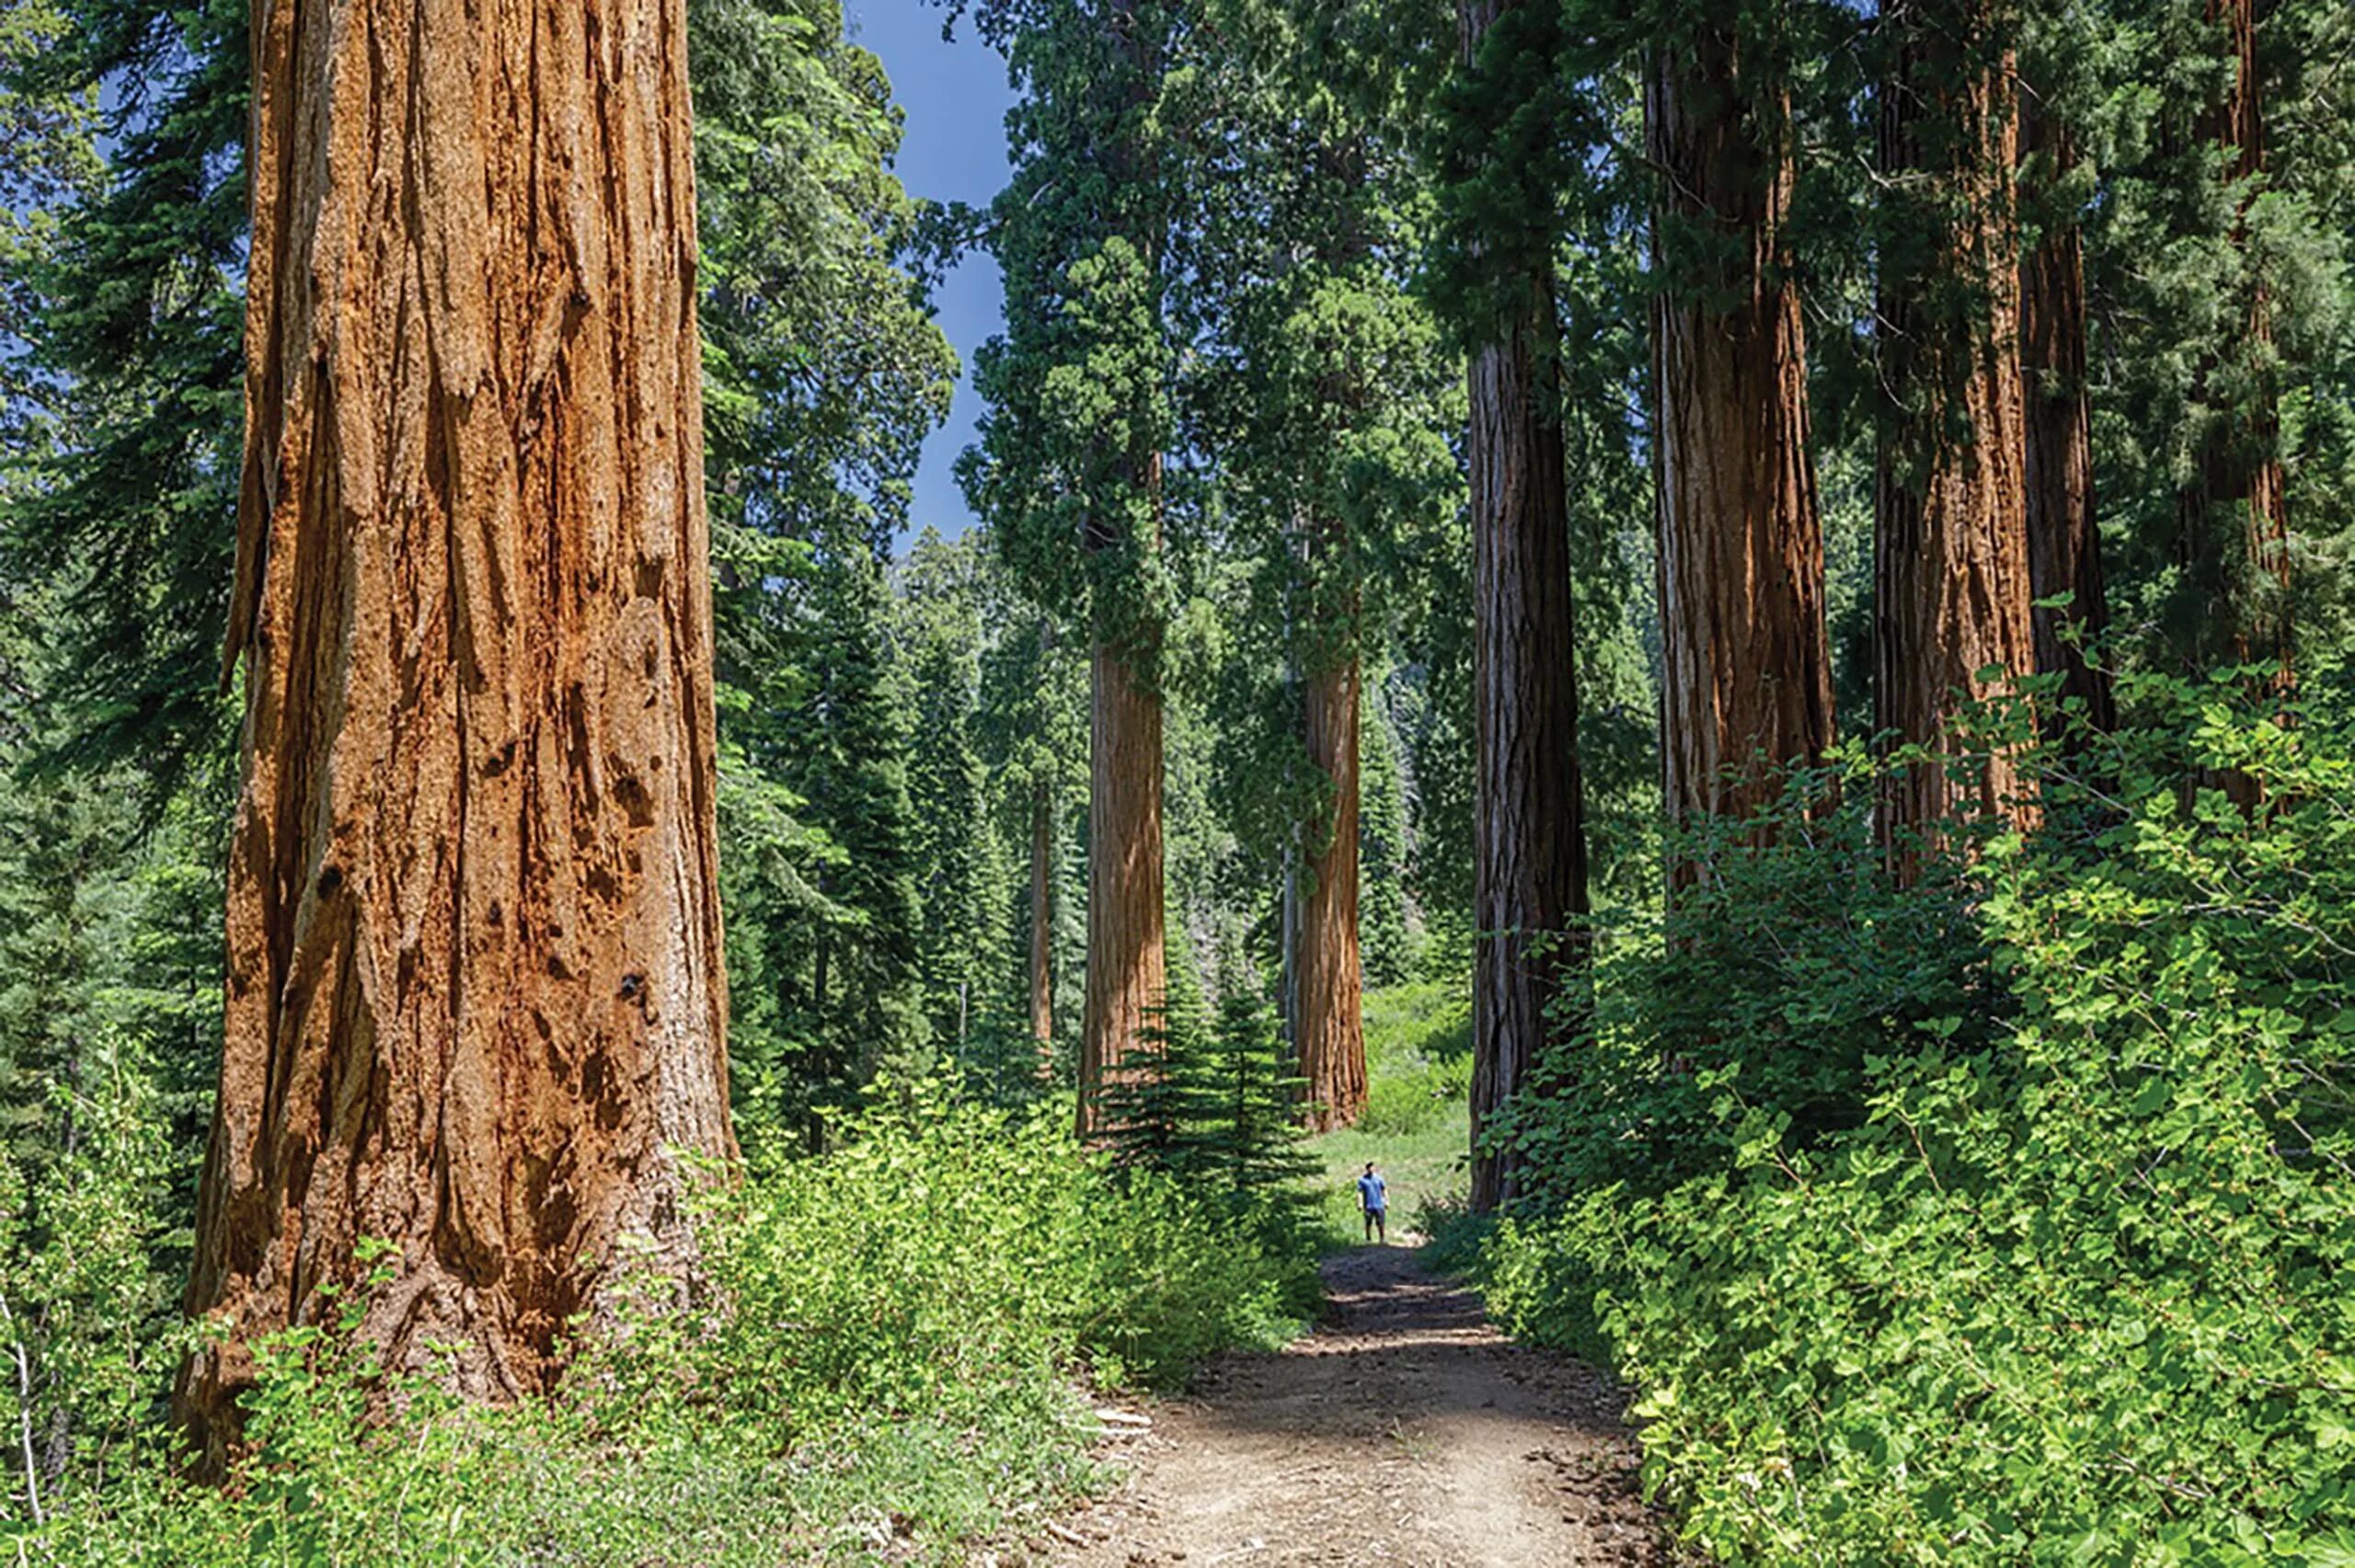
{"type": "Point", "coordinates": [2032, 1245]}
{"type": "Point", "coordinates": [888, 1367]}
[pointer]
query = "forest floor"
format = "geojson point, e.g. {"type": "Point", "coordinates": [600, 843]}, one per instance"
{"type": "Point", "coordinates": [1405, 1430]}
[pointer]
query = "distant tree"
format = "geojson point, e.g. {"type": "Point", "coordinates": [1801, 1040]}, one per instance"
{"type": "Point", "coordinates": [1317, 383]}
{"type": "Point", "coordinates": [1069, 471]}
{"type": "Point", "coordinates": [1385, 936]}
{"type": "Point", "coordinates": [962, 873]}
{"type": "Point", "coordinates": [862, 990]}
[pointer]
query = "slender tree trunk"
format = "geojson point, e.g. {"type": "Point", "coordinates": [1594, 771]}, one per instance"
{"type": "Point", "coordinates": [1331, 1024]}
{"type": "Point", "coordinates": [2063, 545]}
{"type": "Point", "coordinates": [1126, 962]}
{"type": "Point", "coordinates": [1529, 876]}
{"type": "Point", "coordinates": [1950, 542]}
{"type": "Point", "coordinates": [475, 1000]}
{"type": "Point", "coordinates": [1042, 923]}
{"type": "Point", "coordinates": [1748, 679]}
{"type": "Point", "coordinates": [2236, 526]}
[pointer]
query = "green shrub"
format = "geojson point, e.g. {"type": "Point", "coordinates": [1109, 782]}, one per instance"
{"type": "Point", "coordinates": [882, 1369]}
{"type": "Point", "coordinates": [2056, 1273]}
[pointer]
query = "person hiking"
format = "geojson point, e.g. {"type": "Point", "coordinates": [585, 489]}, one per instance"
{"type": "Point", "coordinates": [1373, 1196]}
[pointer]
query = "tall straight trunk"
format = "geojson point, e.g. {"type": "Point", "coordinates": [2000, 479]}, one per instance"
{"type": "Point", "coordinates": [1950, 539]}
{"type": "Point", "coordinates": [1126, 961]}
{"type": "Point", "coordinates": [2063, 545]}
{"type": "Point", "coordinates": [1748, 679]}
{"type": "Point", "coordinates": [475, 1000]}
{"type": "Point", "coordinates": [1330, 1017]}
{"type": "Point", "coordinates": [1126, 969]}
{"type": "Point", "coordinates": [1529, 867]}
{"type": "Point", "coordinates": [2235, 522]}
{"type": "Point", "coordinates": [1042, 922]}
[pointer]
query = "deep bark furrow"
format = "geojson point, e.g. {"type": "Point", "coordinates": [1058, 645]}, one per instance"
{"type": "Point", "coordinates": [1126, 977]}
{"type": "Point", "coordinates": [1530, 849]}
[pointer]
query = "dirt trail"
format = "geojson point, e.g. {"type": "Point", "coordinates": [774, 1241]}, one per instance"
{"type": "Point", "coordinates": [1407, 1430]}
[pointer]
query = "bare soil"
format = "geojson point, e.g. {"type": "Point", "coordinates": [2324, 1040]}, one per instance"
{"type": "Point", "coordinates": [1406, 1430]}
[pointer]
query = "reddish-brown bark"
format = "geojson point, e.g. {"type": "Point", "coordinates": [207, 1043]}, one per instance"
{"type": "Point", "coordinates": [1126, 960]}
{"type": "Point", "coordinates": [1747, 684]}
{"type": "Point", "coordinates": [1951, 619]}
{"type": "Point", "coordinates": [1529, 866]}
{"type": "Point", "coordinates": [475, 1001]}
{"type": "Point", "coordinates": [1328, 1014]}
{"type": "Point", "coordinates": [2064, 543]}
{"type": "Point", "coordinates": [1126, 972]}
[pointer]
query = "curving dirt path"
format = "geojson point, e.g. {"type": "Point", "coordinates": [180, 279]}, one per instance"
{"type": "Point", "coordinates": [1406, 1430]}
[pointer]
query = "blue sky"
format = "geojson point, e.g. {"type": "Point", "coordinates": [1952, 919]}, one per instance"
{"type": "Point", "coordinates": [956, 97]}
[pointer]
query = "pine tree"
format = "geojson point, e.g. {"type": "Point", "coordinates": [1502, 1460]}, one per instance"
{"type": "Point", "coordinates": [865, 997]}
{"type": "Point", "coordinates": [962, 871]}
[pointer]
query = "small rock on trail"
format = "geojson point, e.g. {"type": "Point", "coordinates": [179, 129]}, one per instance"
{"type": "Point", "coordinates": [1404, 1431]}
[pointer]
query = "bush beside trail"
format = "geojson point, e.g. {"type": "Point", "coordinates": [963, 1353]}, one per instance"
{"type": "Point", "coordinates": [889, 1364]}
{"type": "Point", "coordinates": [2008, 1218]}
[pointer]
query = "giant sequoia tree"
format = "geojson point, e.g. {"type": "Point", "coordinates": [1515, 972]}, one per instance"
{"type": "Point", "coordinates": [1530, 835]}
{"type": "Point", "coordinates": [1069, 472]}
{"type": "Point", "coordinates": [1747, 684]}
{"type": "Point", "coordinates": [1318, 393]}
{"type": "Point", "coordinates": [1950, 617]}
{"type": "Point", "coordinates": [475, 1003]}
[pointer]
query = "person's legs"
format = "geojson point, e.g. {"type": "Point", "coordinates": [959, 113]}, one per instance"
{"type": "Point", "coordinates": [1369, 1225]}
{"type": "Point", "coordinates": [1382, 1225]}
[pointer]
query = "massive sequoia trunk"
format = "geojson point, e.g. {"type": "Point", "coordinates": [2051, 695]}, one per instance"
{"type": "Point", "coordinates": [1747, 687]}
{"type": "Point", "coordinates": [1329, 1015]}
{"type": "Point", "coordinates": [2235, 527]}
{"type": "Point", "coordinates": [1950, 541]}
{"type": "Point", "coordinates": [474, 1002]}
{"type": "Point", "coordinates": [1529, 867]}
{"type": "Point", "coordinates": [1126, 973]}
{"type": "Point", "coordinates": [2063, 545]}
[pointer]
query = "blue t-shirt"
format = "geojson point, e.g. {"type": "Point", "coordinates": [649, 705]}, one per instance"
{"type": "Point", "coordinates": [1372, 1194]}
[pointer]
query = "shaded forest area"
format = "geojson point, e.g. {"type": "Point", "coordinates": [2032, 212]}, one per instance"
{"type": "Point", "coordinates": [1788, 560]}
